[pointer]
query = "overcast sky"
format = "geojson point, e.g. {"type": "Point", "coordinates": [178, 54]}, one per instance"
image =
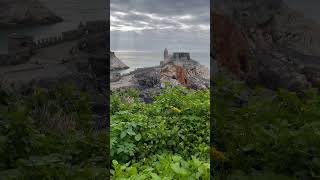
{"type": "Point", "coordinates": [152, 25]}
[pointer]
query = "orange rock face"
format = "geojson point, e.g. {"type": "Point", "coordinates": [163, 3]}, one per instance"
{"type": "Point", "coordinates": [172, 71]}
{"type": "Point", "coordinates": [181, 75]}
{"type": "Point", "coordinates": [229, 45]}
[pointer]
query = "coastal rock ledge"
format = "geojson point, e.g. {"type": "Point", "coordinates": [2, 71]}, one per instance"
{"type": "Point", "coordinates": [174, 70]}
{"type": "Point", "coordinates": [14, 13]}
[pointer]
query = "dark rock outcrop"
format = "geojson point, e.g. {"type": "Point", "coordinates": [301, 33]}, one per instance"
{"type": "Point", "coordinates": [25, 12]}
{"type": "Point", "coordinates": [266, 42]}
{"type": "Point", "coordinates": [188, 73]}
{"type": "Point", "coordinates": [147, 78]}
{"type": "Point", "coordinates": [116, 64]}
{"type": "Point", "coordinates": [151, 80]}
{"type": "Point", "coordinates": [115, 76]}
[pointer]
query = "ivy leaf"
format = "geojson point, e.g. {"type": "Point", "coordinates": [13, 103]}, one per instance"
{"type": "Point", "coordinates": [131, 132]}
{"type": "Point", "coordinates": [155, 176]}
{"type": "Point", "coordinates": [123, 134]}
{"type": "Point", "coordinates": [137, 137]}
{"type": "Point", "coordinates": [115, 162]}
{"type": "Point", "coordinates": [179, 170]}
{"type": "Point", "coordinates": [133, 171]}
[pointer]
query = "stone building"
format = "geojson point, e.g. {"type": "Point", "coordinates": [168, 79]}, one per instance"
{"type": "Point", "coordinates": [176, 56]}
{"type": "Point", "coordinates": [181, 56]}
{"type": "Point", "coordinates": [166, 54]}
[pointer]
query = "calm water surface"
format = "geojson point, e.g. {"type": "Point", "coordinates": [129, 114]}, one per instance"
{"type": "Point", "coordinates": [140, 59]}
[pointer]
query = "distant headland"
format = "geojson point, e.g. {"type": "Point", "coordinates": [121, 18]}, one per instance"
{"type": "Point", "coordinates": [15, 13]}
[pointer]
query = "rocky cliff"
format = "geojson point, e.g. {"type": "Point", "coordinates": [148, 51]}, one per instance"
{"type": "Point", "coordinates": [266, 42]}
{"type": "Point", "coordinates": [25, 12]}
{"type": "Point", "coordinates": [188, 73]}
{"type": "Point", "coordinates": [116, 63]}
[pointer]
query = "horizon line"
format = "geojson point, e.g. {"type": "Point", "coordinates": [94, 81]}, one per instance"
{"type": "Point", "coordinates": [182, 50]}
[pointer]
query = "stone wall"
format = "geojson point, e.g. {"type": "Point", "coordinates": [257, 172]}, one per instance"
{"type": "Point", "coordinates": [181, 55]}
{"type": "Point", "coordinates": [91, 27]}
{"type": "Point", "coordinates": [48, 41]}
{"type": "Point", "coordinates": [54, 40]}
{"type": "Point", "coordinates": [21, 56]}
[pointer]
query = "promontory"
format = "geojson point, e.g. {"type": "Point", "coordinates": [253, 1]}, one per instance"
{"type": "Point", "coordinates": [15, 13]}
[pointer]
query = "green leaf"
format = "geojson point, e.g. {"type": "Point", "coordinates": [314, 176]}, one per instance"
{"type": "Point", "coordinates": [133, 171]}
{"type": "Point", "coordinates": [137, 137]}
{"type": "Point", "coordinates": [115, 162]}
{"type": "Point", "coordinates": [123, 134]}
{"type": "Point", "coordinates": [131, 132]}
{"type": "Point", "coordinates": [179, 170]}
{"type": "Point", "coordinates": [155, 176]}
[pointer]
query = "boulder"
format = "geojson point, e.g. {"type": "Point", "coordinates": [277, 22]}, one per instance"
{"type": "Point", "coordinates": [147, 78]}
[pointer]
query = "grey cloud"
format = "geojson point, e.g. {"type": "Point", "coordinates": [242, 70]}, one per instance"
{"type": "Point", "coordinates": [160, 14]}
{"type": "Point", "coordinates": [165, 7]}
{"type": "Point", "coordinates": [155, 21]}
{"type": "Point", "coordinates": [176, 24]}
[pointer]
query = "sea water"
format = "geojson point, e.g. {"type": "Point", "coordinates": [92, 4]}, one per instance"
{"type": "Point", "coordinates": [141, 59]}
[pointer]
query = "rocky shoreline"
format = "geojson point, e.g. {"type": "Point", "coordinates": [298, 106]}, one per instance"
{"type": "Point", "coordinates": [172, 72]}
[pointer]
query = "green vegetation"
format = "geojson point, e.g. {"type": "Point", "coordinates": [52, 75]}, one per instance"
{"type": "Point", "coordinates": [49, 135]}
{"type": "Point", "coordinates": [166, 139]}
{"type": "Point", "coordinates": [164, 166]}
{"type": "Point", "coordinates": [269, 136]}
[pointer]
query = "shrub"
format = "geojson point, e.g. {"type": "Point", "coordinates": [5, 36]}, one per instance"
{"type": "Point", "coordinates": [176, 123]}
{"type": "Point", "coordinates": [31, 148]}
{"type": "Point", "coordinates": [277, 133]}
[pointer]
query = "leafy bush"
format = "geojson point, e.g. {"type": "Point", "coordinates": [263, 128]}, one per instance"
{"type": "Point", "coordinates": [177, 122]}
{"type": "Point", "coordinates": [49, 135]}
{"type": "Point", "coordinates": [162, 166]}
{"type": "Point", "coordinates": [275, 132]}
{"type": "Point", "coordinates": [35, 144]}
